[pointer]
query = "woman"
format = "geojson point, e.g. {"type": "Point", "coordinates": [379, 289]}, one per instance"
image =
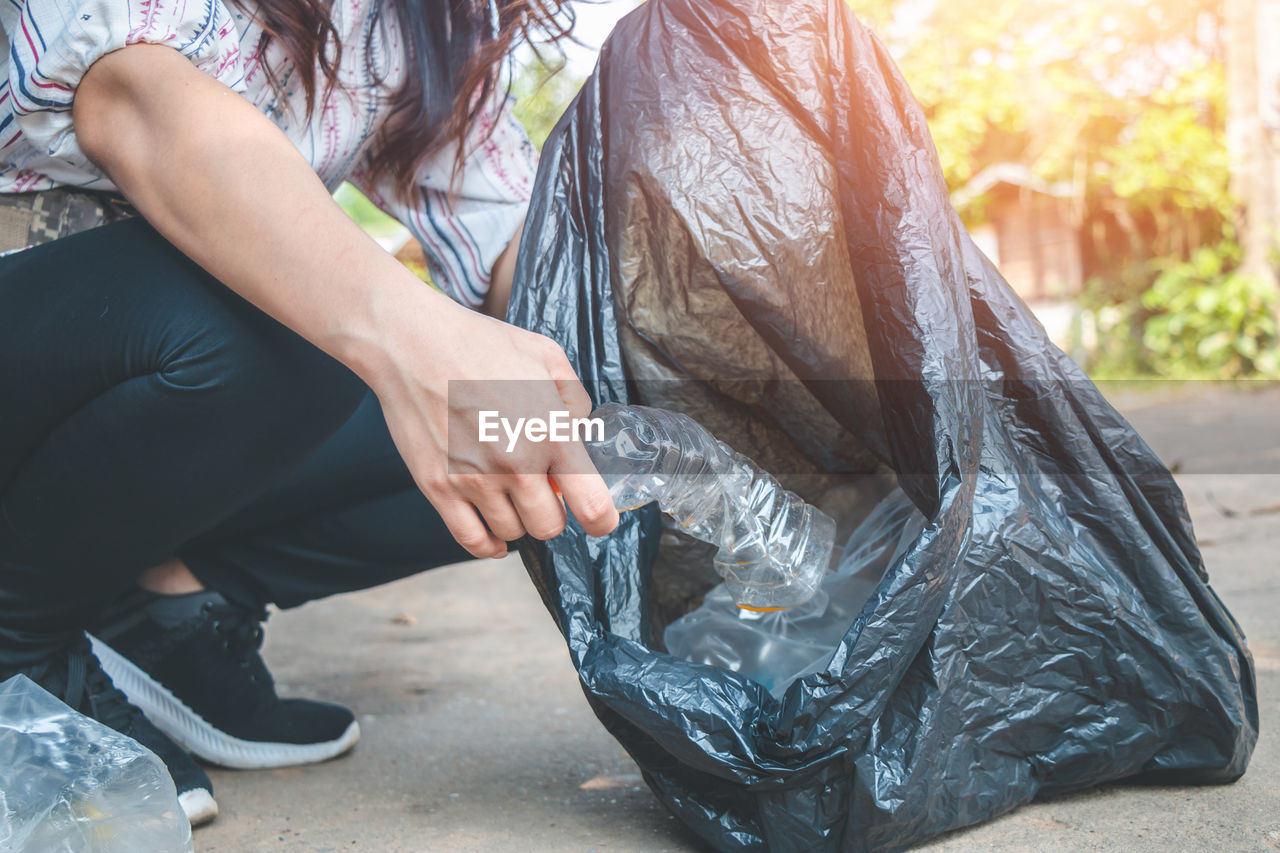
{"type": "Point", "coordinates": [231, 396]}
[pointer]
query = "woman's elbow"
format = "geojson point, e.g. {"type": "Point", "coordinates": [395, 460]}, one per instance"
{"type": "Point", "coordinates": [114, 113]}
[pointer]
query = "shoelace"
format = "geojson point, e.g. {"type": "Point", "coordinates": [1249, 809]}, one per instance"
{"type": "Point", "coordinates": [110, 706]}
{"type": "Point", "coordinates": [242, 636]}
{"type": "Point", "coordinates": [88, 688]}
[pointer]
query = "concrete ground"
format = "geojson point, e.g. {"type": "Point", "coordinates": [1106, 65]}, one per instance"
{"type": "Point", "coordinates": [477, 737]}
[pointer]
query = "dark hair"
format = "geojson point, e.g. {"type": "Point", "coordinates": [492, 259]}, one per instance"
{"type": "Point", "coordinates": [458, 49]}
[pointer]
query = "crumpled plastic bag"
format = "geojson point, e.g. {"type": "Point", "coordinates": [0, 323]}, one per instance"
{"type": "Point", "coordinates": [742, 217]}
{"type": "Point", "coordinates": [69, 784]}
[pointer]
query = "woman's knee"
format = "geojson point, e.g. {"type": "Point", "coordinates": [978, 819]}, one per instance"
{"type": "Point", "coordinates": [209, 349]}
{"type": "Point", "coordinates": [255, 371]}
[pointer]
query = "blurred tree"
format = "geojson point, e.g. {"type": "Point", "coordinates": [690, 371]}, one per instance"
{"type": "Point", "coordinates": [543, 88]}
{"type": "Point", "coordinates": [1126, 102]}
{"type": "Point", "coordinates": [1123, 99]}
{"type": "Point", "coordinates": [1253, 70]}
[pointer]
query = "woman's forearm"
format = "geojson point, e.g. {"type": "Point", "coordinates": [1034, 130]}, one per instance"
{"type": "Point", "coordinates": [225, 185]}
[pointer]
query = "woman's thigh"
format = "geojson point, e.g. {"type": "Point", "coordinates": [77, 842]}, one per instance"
{"type": "Point", "coordinates": [348, 518]}
{"type": "Point", "coordinates": [141, 401]}
{"type": "Point", "coordinates": [358, 462]}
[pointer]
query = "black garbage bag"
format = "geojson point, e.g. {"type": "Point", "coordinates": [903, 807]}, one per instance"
{"type": "Point", "coordinates": [742, 217]}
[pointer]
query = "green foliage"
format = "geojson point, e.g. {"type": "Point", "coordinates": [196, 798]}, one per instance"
{"type": "Point", "coordinates": [964, 67]}
{"type": "Point", "coordinates": [1212, 321]}
{"type": "Point", "coordinates": [1112, 309]}
{"type": "Point", "coordinates": [1121, 98]}
{"type": "Point", "coordinates": [1171, 151]}
{"type": "Point", "coordinates": [1123, 101]}
{"type": "Point", "coordinates": [364, 212]}
{"type": "Point", "coordinates": [542, 91]}
{"type": "Point", "coordinates": [1200, 319]}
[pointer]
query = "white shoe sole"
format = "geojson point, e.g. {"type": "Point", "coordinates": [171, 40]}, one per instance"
{"type": "Point", "coordinates": [198, 805]}
{"type": "Point", "coordinates": [193, 733]}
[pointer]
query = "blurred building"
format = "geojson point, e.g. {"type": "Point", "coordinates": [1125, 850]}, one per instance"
{"type": "Point", "coordinates": [1030, 234]}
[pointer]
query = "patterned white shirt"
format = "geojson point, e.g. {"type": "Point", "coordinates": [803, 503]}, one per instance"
{"type": "Point", "coordinates": [51, 43]}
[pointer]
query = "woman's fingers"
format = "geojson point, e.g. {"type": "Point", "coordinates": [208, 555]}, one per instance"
{"type": "Point", "coordinates": [568, 386]}
{"type": "Point", "coordinates": [540, 510]}
{"type": "Point", "coordinates": [501, 516]}
{"type": "Point", "coordinates": [464, 523]}
{"type": "Point", "coordinates": [584, 491]}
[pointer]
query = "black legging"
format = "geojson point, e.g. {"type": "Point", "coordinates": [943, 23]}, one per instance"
{"type": "Point", "coordinates": [148, 412]}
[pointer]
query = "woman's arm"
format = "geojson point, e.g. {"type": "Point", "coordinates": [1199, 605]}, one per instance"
{"type": "Point", "coordinates": [224, 185]}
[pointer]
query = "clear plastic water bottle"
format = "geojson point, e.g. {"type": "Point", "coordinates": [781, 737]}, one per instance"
{"type": "Point", "coordinates": [773, 547]}
{"type": "Point", "coordinates": [772, 648]}
{"type": "Point", "coordinates": [777, 648]}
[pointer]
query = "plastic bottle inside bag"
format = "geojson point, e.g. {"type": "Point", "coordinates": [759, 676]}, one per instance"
{"type": "Point", "coordinates": [775, 649]}
{"type": "Point", "coordinates": [773, 547]}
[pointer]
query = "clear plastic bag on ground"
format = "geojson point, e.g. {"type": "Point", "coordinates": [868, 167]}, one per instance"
{"type": "Point", "coordinates": [69, 784]}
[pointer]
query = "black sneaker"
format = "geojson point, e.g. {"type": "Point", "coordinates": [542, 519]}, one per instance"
{"type": "Point", "coordinates": [75, 677]}
{"type": "Point", "coordinates": [191, 663]}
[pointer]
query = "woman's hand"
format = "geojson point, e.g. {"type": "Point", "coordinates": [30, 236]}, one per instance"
{"type": "Point", "coordinates": [432, 392]}
{"type": "Point", "coordinates": [227, 187]}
